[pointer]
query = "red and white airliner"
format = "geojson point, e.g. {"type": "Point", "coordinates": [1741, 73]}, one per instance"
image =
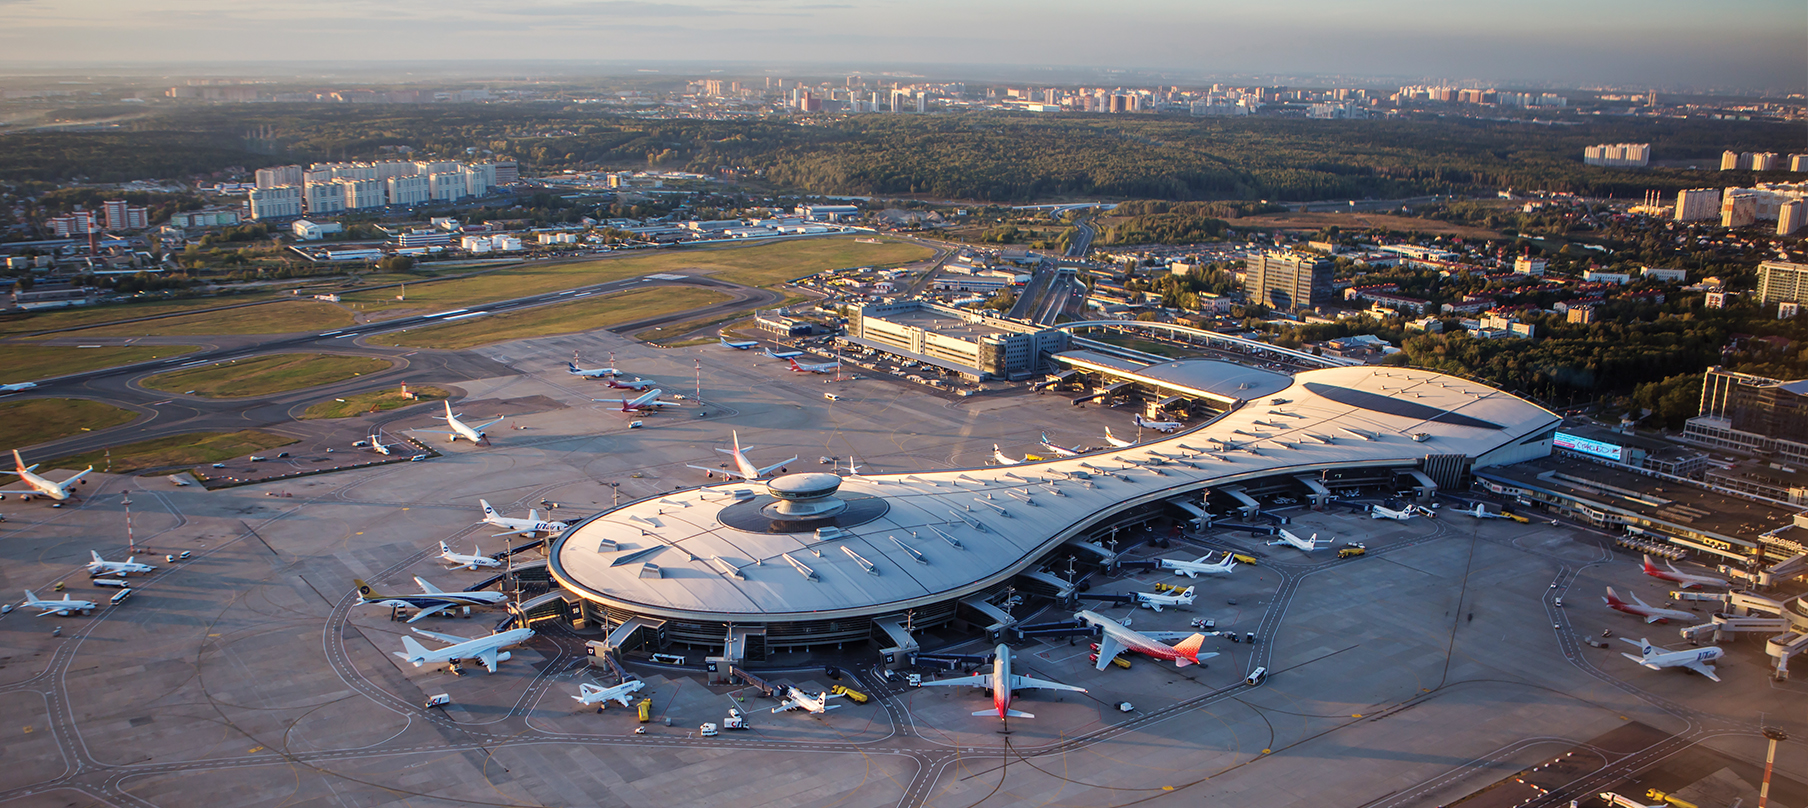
{"type": "Point", "coordinates": [1002, 682]}
{"type": "Point", "coordinates": [1683, 579]}
{"type": "Point", "coordinates": [1118, 638]}
{"type": "Point", "coordinates": [648, 402]}
{"type": "Point", "coordinates": [826, 367]}
{"type": "Point", "coordinates": [1652, 614]}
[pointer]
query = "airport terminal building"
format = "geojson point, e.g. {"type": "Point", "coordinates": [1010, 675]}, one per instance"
{"type": "Point", "coordinates": [970, 343]}
{"type": "Point", "coordinates": [812, 560]}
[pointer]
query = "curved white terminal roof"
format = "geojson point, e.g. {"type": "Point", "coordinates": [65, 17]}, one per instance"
{"type": "Point", "coordinates": [949, 533]}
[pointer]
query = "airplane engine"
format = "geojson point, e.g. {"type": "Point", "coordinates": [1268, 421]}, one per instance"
{"type": "Point", "coordinates": [504, 656]}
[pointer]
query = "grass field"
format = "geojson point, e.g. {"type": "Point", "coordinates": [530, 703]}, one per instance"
{"type": "Point", "coordinates": [190, 449]}
{"type": "Point", "coordinates": [263, 375]}
{"type": "Point", "coordinates": [1319, 220]}
{"type": "Point", "coordinates": [24, 363]}
{"type": "Point", "coordinates": [39, 420]}
{"type": "Point", "coordinates": [282, 317]}
{"type": "Point", "coordinates": [763, 265]}
{"type": "Point", "coordinates": [589, 313]}
{"type": "Point", "coordinates": [382, 400]}
{"type": "Point", "coordinates": [13, 324]}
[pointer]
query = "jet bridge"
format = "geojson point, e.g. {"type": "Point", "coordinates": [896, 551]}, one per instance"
{"type": "Point", "coordinates": [624, 633]}
{"type": "Point", "coordinates": [1106, 557]}
{"type": "Point", "coordinates": [1001, 621]}
{"type": "Point", "coordinates": [1103, 392]}
{"type": "Point", "coordinates": [1203, 519]}
{"type": "Point", "coordinates": [1316, 491]}
{"type": "Point", "coordinates": [1042, 581]}
{"type": "Point", "coordinates": [903, 645]}
{"type": "Point", "coordinates": [1249, 506]}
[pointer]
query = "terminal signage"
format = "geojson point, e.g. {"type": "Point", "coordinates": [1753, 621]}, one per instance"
{"type": "Point", "coordinates": [1576, 443]}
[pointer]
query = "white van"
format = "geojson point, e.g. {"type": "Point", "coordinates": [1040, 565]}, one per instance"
{"type": "Point", "coordinates": [831, 396]}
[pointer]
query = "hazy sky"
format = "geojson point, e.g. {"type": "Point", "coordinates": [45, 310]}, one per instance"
{"type": "Point", "coordinates": [1721, 43]}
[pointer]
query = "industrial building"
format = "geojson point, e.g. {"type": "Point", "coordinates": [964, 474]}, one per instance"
{"type": "Point", "coordinates": [812, 560]}
{"type": "Point", "coordinates": [970, 343]}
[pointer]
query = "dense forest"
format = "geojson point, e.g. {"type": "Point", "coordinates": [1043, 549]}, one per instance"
{"type": "Point", "coordinates": [973, 156]}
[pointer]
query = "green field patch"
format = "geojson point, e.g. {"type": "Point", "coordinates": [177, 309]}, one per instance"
{"type": "Point", "coordinates": [281, 317]}
{"type": "Point", "coordinates": [589, 313]}
{"type": "Point", "coordinates": [374, 401]}
{"type": "Point", "coordinates": [264, 375]}
{"type": "Point", "coordinates": [24, 363]}
{"type": "Point", "coordinates": [41, 420]}
{"type": "Point", "coordinates": [762, 265]}
{"type": "Point", "coordinates": [190, 449]}
{"type": "Point", "coordinates": [26, 323]}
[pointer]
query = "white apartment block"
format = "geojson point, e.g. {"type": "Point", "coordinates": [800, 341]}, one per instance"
{"type": "Point", "coordinates": [364, 194]}
{"type": "Point", "coordinates": [323, 197]}
{"type": "Point", "coordinates": [1697, 204]}
{"type": "Point", "coordinates": [1618, 155]}
{"type": "Point", "coordinates": [409, 190]}
{"type": "Point", "coordinates": [280, 202]}
{"type": "Point", "coordinates": [446, 186]}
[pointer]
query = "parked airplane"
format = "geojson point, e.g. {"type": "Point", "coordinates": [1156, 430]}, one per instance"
{"type": "Point", "coordinates": [1156, 602]}
{"type": "Point", "coordinates": [486, 650]}
{"type": "Point", "coordinates": [1119, 637]}
{"type": "Point", "coordinates": [825, 367]}
{"type": "Point", "coordinates": [1116, 441]}
{"type": "Point", "coordinates": [1060, 451]}
{"type": "Point", "coordinates": [590, 373]}
{"type": "Point", "coordinates": [1003, 683]}
{"type": "Point", "coordinates": [43, 487]}
{"type": "Point", "coordinates": [460, 429]}
{"type": "Point", "coordinates": [798, 700]}
{"type": "Point", "coordinates": [1685, 580]}
{"type": "Point", "coordinates": [637, 385]}
{"type": "Point", "coordinates": [1658, 659]}
{"type": "Point", "coordinates": [999, 457]}
{"type": "Point", "coordinates": [589, 694]}
{"type": "Point", "coordinates": [432, 599]}
{"type": "Point", "coordinates": [743, 468]}
{"type": "Point", "coordinates": [1288, 538]}
{"type": "Point", "coordinates": [1480, 512]}
{"type": "Point", "coordinates": [469, 562]}
{"type": "Point", "coordinates": [14, 388]}
{"type": "Point", "coordinates": [1402, 515]}
{"type": "Point", "coordinates": [60, 608]}
{"type": "Point", "coordinates": [513, 526]}
{"type": "Point", "coordinates": [375, 443]}
{"type": "Point", "coordinates": [1158, 426]}
{"type": "Point", "coordinates": [739, 346]}
{"type": "Point", "coordinates": [783, 354]}
{"type": "Point", "coordinates": [1652, 614]}
{"type": "Point", "coordinates": [645, 401]}
{"type": "Point", "coordinates": [101, 566]}
{"type": "Point", "coordinates": [1199, 567]}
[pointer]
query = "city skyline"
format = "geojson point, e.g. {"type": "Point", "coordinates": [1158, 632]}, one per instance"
{"type": "Point", "coordinates": [1657, 44]}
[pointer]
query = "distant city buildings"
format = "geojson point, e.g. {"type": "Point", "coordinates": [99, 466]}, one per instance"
{"type": "Point", "coordinates": [1618, 155]}
{"type": "Point", "coordinates": [329, 188]}
{"type": "Point", "coordinates": [1697, 204]}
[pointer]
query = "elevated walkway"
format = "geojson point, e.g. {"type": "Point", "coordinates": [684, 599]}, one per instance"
{"type": "Point", "coordinates": [1249, 505]}
{"type": "Point", "coordinates": [1106, 557]}
{"type": "Point", "coordinates": [624, 633]}
{"type": "Point", "coordinates": [1045, 583]}
{"type": "Point", "coordinates": [1315, 490]}
{"type": "Point", "coordinates": [903, 646]}
{"type": "Point", "coordinates": [1001, 621]}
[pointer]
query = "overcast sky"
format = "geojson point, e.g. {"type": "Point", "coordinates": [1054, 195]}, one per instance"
{"type": "Point", "coordinates": [1670, 43]}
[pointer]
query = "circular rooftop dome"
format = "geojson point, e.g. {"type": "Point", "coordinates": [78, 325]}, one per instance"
{"type": "Point", "coordinates": [808, 485]}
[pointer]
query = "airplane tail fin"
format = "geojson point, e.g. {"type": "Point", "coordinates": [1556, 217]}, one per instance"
{"type": "Point", "coordinates": [444, 549]}
{"type": "Point", "coordinates": [487, 510]}
{"type": "Point", "coordinates": [362, 587]}
{"type": "Point", "coordinates": [1187, 596]}
{"type": "Point", "coordinates": [533, 514]}
{"type": "Point", "coordinates": [95, 554]}
{"type": "Point", "coordinates": [572, 366]}
{"type": "Point", "coordinates": [18, 462]}
{"type": "Point", "coordinates": [30, 595]}
{"type": "Point", "coordinates": [415, 651]}
{"type": "Point", "coordinates": [1189, 650]}
{"type": "Point", "coordinates": [1649, 567]}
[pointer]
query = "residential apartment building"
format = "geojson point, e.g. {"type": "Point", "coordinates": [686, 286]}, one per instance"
{"type": "Point", "coordinates": [279, 202]}
{"type": "Point", "coordinates": [1782, 281]}
{"type": "Point", "coordinates": [278, 176]}
{"type": "Point", "coordinates": [1697, 204]}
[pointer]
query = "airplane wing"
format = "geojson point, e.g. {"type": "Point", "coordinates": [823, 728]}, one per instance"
{"type": "Point", "coordinates": [626, 699]}
{"type": "Point", "coordinates": [1028, 683]}
{"type": "Point", "coordinates": [1653, 618]}
{"type": "Point", "coordinates": [1168, 636]}
{"type": "Point", "coordinates": [488, 657]}
{"type": "Point", "coordinates": [1701, 669]}
{"type": "Point", "coordinates": [520, 532]}
{"type": "Point", "coordinates": [480, 427]}
{"type": "Point", "coordinates": [451, 638]}
{"type": "Point", "coordinates": [776, 466]}
{"type": "Point", "coordinates": [728, 472]}
{"type": "Point", "coordinates": [785, 705]}
{"type": "Point", "coordinates": [979, 680]}
{"type": "Point", "coordinates": [1109, 648]}
{"type": "Point", "coordinates": [435, 431]}
{"type": "Point", "coordinates": [426, 587]}
{"type": "Point", "coordinates": [435, 610]}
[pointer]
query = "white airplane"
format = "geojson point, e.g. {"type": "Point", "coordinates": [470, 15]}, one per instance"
{"type": "Point", "coordinates": [589, 694]}
{"type": "Point", "coordinates": [469, 562]}
{"type": "Point", "coordinates": [646, 400]}
{"type": "Point", "coordinates": [998, 457]}
{"type": "Point", "coordinates": [637, 385]}
{"type": "Point", "coordinates": [1118, 638]}
{"type": "Point", "coordinates": [101, 566]}
{"type": "Point", "coordinates": [1652, 614]}
{"type": "Point", "coordinates": [1117, 441]}
{"type": "Point", "coordinates": [744, 468]}
{"type": "Point", "coordinates": [60, 608]}
{"type": "Point", "coordinates": [1060, 451]}
{"type": "Point", "coordinates": [512, 526]}
{"type": "Point", "coordinates": [1683, 579]}
{"type": "Point", "coordinates": [825, 367]}
{"type": "Point", "coordinates": [432, 599]}
{"type": "Point", "coordinates": [1198, 567]}
{"type": "Point", "coordinates": [486, 650]}
{"type": "Point", "coordinates": [460, 429]}
{"type": "Point", "coordinates": [739, 346]}
{"type": "Point", "coordinates": [783, 354]}
{"type": "Point", "coordinates": [798, 700]}
{"type": "Point", "coordinates": [1003, 683]}
{"type": "Point", "coordinates": [42, 487]}
{"type": "Point", "coordinates": [1303, 545]}
{"type": "Point", "coordinates": [375, 443]}
{"type": "Point", "coordinates": [590, 373]}
{"type": "Point", "coordinates": [1402, 515]}
{"type": "Point", "coordinates": [1156, 602]}
{"type": "Point", "coordinates": [853, 470]}
{"type": "Point", "coordinates": [14, 388]}
{"type": "Point", "coordinates": [1158, 426]}
{"type": "Point", "coordinates": [1658, 659]}
{"type": "Point", "coordinates": [1480, 512]}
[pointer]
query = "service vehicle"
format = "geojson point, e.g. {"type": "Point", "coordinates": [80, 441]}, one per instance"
{"type": "Point", "coordinates": [706, 730]}
{"type": "Point", "coordinates": [1352, 551]}
{"type": "Point", "coordinates": [1244, 559]}
{"type": "Point", "coordinates": [120, 596]}
{"type": "Point", "coordinates": [853, 695]}
{"type": "Point", "coordinates": [113, 582]}
{"type": "Point", "coordinates": [1256, 676]}
{"type": "Point", "coordinates": [644, 710]}
{"type": "Point", "coordinates": [439, 700]}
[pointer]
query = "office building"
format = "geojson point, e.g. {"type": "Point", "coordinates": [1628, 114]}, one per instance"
{"type": "Point", "coordinates": [1780, 281]}
{"type": "Point", "coordinates": [280, 202]}
{"type": "Point", "coordinates": [409, 191]}
{"type": "Point", "coordinates": [277, 176]}
{"type": "Point", "coordinates": [1697, 204]}
{"type": "Point", "coordinates": [969, 343]}
{"type": "Point", "coordinates": [314, 231]}
{"type": "Point", "coordinates": [1288, 280]}
{"type": "Point", "coordinates": [1752, 414]}
{"type": "Point", "coordinates": [507, 173]}
{"type": "Point", "coordinates": [1527, 265]}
